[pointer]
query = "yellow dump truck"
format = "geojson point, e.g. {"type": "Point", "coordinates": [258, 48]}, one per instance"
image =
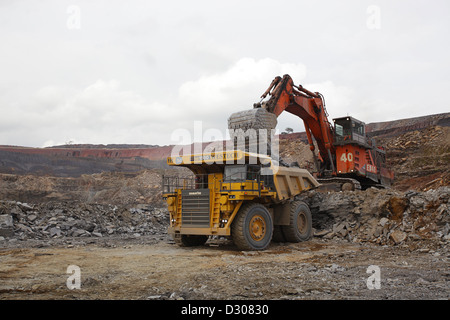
{"type": "Point", "coordinates": [237, 194]}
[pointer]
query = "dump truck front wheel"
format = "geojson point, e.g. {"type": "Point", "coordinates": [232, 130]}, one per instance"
{"type": "Point", "coordinates": [300, 224]}
{"type": "Point", "coordinates": [252, 228]}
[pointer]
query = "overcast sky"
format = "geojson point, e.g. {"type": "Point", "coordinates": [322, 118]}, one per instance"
{"type": "Point", "coordinates": [136, 71]}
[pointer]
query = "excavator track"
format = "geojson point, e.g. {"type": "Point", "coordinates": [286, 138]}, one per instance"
{"type": "Point", "coordinates": [339, 184]}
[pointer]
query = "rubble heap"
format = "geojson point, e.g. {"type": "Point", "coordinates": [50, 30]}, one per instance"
{"type": "Point", "coordinates": [385, 217]}
{"type": "Point", "coordinates": [77, 219]}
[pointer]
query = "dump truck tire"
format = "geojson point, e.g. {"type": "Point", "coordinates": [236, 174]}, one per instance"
{"type": "Point", "coordinates": [184, 240]}
{"type": "Point", "coordinates": [252, 228]}
{"type": "Point", "coordinates": [300, 223]}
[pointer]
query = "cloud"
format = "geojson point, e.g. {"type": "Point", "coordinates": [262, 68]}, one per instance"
{"type": "Point", "coordinates": [339, 99]}
{"type": "Point", "coordinates": [213, 98]}
{"type": "Point", "coordinates": [105, 112]}
{"type": "Point", "coordinates": [102, 112]}
{"type": "Point", "coordinates": [245, 79]}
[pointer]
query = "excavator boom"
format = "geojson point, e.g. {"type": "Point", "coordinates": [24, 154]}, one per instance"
{"type": "Point", "coordinates": [309, 106]}
{"type": "Point", "coordinates": [344, 151]}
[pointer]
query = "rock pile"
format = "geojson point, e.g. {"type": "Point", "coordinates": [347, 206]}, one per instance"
{"type": "Point", "coordinates": [385, 217]}
{"type": "Point", "coordinates": [77, 219]}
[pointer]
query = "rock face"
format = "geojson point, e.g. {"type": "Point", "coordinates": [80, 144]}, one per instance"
{"type": "Point", "coordinates": [420, 158]}
{"type": "Point", "coordinates": [381, 216]}
{"type": "Point", "coordinates": [117, 188]}
{"type": "Point", "coordinates": [77, 219]}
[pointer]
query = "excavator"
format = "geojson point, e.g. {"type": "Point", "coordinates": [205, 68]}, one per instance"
{"type": "Point", "coordinates": [346, 157]}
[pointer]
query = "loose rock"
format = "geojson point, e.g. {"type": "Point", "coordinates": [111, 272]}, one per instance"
{"type": "Point", "coordinates": [76, 219]}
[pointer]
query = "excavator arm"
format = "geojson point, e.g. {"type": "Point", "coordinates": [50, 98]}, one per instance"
{"type": "Point", "coordinates": [310, 107]}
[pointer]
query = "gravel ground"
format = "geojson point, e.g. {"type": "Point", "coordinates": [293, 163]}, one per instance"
{"type": "Point", "coordinates": [154, 268]}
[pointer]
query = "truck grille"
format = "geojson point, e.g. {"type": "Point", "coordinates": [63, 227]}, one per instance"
{"type": "Point", "coordinates": [195, 208]}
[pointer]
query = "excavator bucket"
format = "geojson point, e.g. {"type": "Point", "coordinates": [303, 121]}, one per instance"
{"type": "Point", "coordinates": [256, 118]}
{"type": "Point", "coordinates": [251, 129]}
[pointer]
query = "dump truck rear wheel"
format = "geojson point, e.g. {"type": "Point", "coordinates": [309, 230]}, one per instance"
{"type": "Point", "coordinates": [252, 228]}
{"type": "Point", "coordinates": [300, 223]}
{"type": "Point", "coordinates": [184, 240]}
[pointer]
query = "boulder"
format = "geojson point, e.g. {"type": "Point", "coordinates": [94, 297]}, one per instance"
{"type": "Point", "coordinates": [398, 236]}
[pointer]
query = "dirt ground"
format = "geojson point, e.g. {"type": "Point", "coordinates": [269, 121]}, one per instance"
{"type": "Point", "coordinates": [154, 268]}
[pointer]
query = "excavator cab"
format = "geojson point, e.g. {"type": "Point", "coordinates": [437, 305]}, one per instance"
{"type": "Point", "coordinates": [349, 130]}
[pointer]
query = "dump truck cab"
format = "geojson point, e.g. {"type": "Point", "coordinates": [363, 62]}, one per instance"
{"type": "Point", "coordinates": [238, 194]}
